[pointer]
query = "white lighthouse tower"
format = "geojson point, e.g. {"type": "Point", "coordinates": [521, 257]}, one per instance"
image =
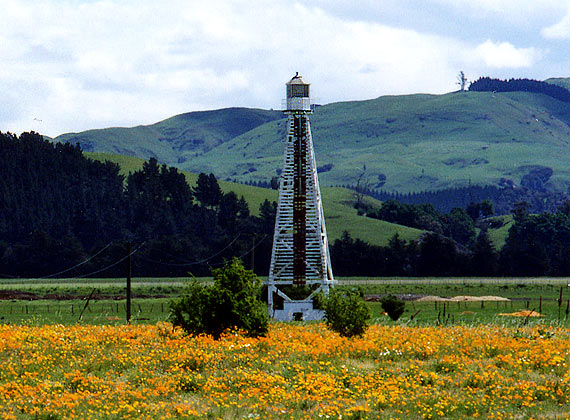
{"type": "Point", "coordinates": [300, 254]}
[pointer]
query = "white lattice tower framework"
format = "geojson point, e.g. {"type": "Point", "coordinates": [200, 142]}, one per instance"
{"type": "Point", "coordinates": [300, 253]}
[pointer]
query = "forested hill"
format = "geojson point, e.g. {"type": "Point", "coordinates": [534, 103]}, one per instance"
{"type": "Point", "coordinates": [487, 84]}
{"type": "Point", "coordinates": [404, 144]}
{"type": "Point", "coordinates": [62, 214]}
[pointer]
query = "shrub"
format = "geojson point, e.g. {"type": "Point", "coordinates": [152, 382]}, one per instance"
{"type": "Point", "coordinates": [345, 312]}
{"type": "Point", "coordinates": [393, 306]}
{"type": "Point", "coordinates": [232, 302]}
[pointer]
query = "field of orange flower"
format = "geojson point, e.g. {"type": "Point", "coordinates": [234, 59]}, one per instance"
{"type": "Point", "coordinates": [299, 371]}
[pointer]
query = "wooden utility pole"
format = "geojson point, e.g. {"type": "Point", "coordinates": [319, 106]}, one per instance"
{"type": "Point", "coordinates": [252, 256]}
{"type": "Point", "coordinates": [559, 304]}
{"type": "Point", "coordinates": [128, 282]}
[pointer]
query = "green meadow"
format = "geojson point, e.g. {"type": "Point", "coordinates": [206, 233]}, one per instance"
{"type": "Point", "coordinates": [338, 203]}
{"type": "Point", "coordinates": [66, 301]}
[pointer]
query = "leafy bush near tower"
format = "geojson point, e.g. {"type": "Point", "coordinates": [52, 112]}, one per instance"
{"type": "Point", "coordinates": [345, 312]}
{"type": "Point", "coordinates": [393, 306]}
{"type": "Point", "coordinates": [233, 301]}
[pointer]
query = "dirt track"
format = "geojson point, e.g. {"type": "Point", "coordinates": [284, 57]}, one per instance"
{"type": "Point", "coordinates": [423, 298]}
{"type": "Point", "coordinates": [463, 299]}
{"type": "Point", "coordinates": [21, 295]}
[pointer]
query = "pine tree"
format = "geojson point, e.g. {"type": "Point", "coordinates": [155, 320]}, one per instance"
{"type": "Point", "coordinates": [207, 190]}
{"type": "Point", "coordinates": [484, 258]}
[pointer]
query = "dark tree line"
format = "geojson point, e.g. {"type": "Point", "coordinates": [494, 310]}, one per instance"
{"type": "Point", "coordinates": [487, 84]}
{"type": "Point", "coordinates": [271, 184]}
{"type": "Point", "coordinates": [503, 197]}
{"type": "Point", "coordinates": [442, 200]}
{"type": "Point", "coordinates": [63, 215]}
{"type": "Point", "coordinates": [536, 245]}
{"type": "Point", "coordinates": [432, 255]}
{"type": "Point", "coordinates": [59, 209]}
{"type": "Point", "coordinates": [458, 224]}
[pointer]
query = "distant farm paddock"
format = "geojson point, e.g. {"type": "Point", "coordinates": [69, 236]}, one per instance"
{"type": "Point", "coordinates": [67, 301]}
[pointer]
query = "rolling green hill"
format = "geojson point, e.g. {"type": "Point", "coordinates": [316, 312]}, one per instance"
{"type": "Point", "coordinates": [338, 203]}
{"type": "Point", "coordinates": [176, 139]}
{"type": "Point", "coordinates": [397, 143]}
{"type": "Point", "coordinates": [418, 142]}
{"type": "Point", "coordinates": [560, 81]}
{"type": "Point", "coordinates": [340, 214]}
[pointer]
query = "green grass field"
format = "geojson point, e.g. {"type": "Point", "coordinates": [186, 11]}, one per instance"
{"type": "Point", "coordinates": [338, 203]}
{"type": "Point", "coordinates": [151, 297]}
{"type": "Point", "coordinates": [340, 214]}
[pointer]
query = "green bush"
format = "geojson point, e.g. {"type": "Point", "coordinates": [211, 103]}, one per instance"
{"type": "Point", "coordinates": [232, 302]}
{"type": "Point", "coordinates": [393, 306]}
{"type": "Point", "coordinates": [345, 312]}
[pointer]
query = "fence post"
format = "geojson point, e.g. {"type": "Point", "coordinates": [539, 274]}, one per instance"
{"type": "Point", "coordinates": [128, 282]}
{"type": "Point", "coordinates": [559, 304]}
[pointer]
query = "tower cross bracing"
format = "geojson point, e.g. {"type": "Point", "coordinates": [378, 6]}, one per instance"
{"type": "Point", "coordinates": [300, 253]}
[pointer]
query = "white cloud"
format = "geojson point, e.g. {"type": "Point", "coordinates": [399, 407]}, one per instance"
{"type": "Point", "coordinates": [560, 30]}
{"type": "Point", "coordinates": [514, 11]}
{"type": "Point", "coordinates": [505, 55]}
{"type": "Point", "coordinates": [81, 65]}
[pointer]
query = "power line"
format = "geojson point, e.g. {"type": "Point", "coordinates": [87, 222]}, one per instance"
{"type": "Point", "coordinates": [67, 269]}
{"type": "Point", "coordinates": [247, 252]}
{"type": "Point", "coordinates": [253, 247]}
{"type": "Point", "coordinates": [111, 265]}
{"type": "Point", "coordinates": [194, 262]}
{"type": "Point", "coordinates": [78, 265]}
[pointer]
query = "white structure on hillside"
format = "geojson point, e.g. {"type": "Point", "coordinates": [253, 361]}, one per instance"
{"type": "Point", "coordinates": [300, 254]}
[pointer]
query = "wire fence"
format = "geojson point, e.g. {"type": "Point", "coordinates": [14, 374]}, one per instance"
{"type": "Point", "coordinates": [73, 311]}
{"type": "Point", "coordinates": [560, 281]}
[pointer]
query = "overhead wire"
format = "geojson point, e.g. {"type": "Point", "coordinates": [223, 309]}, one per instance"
{"type": "Point", "coordinates": [145, 258]}
{"type": "Point", "coordinates": [67, 269]}
{"type": "Point", "coordinates": [247, 252]}
{"type": "Point", "coordinates": [111, 265]}
{"type": "Point", "coordinates": [194, 262]}
{"type": "Point", "coordinates": [77, 265]}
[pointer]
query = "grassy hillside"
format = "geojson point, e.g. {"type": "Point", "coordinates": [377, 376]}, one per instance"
{"type": "Point", "coordinates": [560, 81]}
{"type": "Point", "coordinates": [340, 215]}
{"type": "Point", "coordinates": [499, 235]}
{"type": "Point", "coordinates": [176, 139]}
{"type": "Point", "coordinates": [418, 142]}
{"type": "Point", "coordinates": [338, 203]}
{"type": "Point", "coordinates": [415, 142]}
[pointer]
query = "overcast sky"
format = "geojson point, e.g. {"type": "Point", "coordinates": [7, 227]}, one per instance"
{"type": "Point", "coordinates": [71, 65]}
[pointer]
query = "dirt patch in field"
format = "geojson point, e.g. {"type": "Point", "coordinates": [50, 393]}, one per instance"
{"type": "Point", "coordinates": [21, 295]}
{"type": "Point", "coordinates": [463, 299]}
{"type": "Point", "coordinates": [479, 299]}
{"type": "Point", "coordinates": [429, 298]}
{"type": "Point", "coordinates": [523, 314]}
{"type": "Point", "coordinates": [17, 295]}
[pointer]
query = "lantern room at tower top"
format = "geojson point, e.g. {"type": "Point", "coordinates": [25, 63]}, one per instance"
{"type": "Point", "coordinates": [298, 95]}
